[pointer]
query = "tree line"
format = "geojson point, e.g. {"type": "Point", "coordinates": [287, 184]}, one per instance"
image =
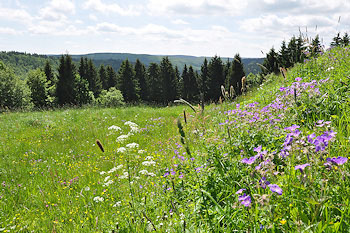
{"type": "Point", "coordinates": [298, 50]}
{"type": "Point", "coordinates": [84, 83]}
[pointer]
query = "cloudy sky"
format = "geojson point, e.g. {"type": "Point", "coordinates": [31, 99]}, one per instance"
{"type": "Point", "coordinates": [187, 27]}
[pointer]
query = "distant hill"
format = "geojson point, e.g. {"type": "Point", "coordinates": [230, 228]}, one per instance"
{"type": "Point", "coordinates": [21, 63]}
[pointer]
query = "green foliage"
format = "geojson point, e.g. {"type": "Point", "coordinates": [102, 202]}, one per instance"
{"type": "Point", "coordinates": [154, 83]}
{"type": "Point", "coordinates": [14, 94]}
{"type": "Point", "coordinates": [66, 79]}
{"type": "Point", "coordinates": [127, 83]}
{"type": "Point", "coordinates": [216, 78]}
{"type": "Point", "coordinates": [169, 85]}
{"type": "Point", "coordinates": [82, 93]}
{"type": "Point", "coordinates": [39, 88]}
{"type": "Point", "coordinates": [110, 98]}
{"type": "Point", "coordinates": [140, 76]}
{"type": "Point", "coordinates": [235, 74]}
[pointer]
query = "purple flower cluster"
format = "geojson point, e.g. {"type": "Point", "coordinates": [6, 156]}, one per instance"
{"type": "Point", "coordinates": [321, 142]}
{"type": "Point", "coordinates": [244, 199]}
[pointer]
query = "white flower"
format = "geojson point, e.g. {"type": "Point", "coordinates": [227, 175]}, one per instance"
{"type": "Point", "coordinates": [115, 168]}
{"type": "Point", "coordinates": [124, 176]}
{"type": "Point", "coordinates": [149, 163]}
{"type": "Point", "coordinates": [149, 158]}
{"type": "Point", "coordinates": [118, 203]}
{"type": "Point", "coordinates": [134, 128]}
{"type": "Point", "coordinates": [103, 172]}
{"type": "Point", "coordinates": [98, 199]}
{"type": "Point", "coordinates": [122, 138]}
{"type": "Point", "coordinates": [141, 151]}
{"type": "Point", "coordinates": [113, 127]}
{"type": "Point", "coordinates": [121, 150]}
{"type": "Point", "coordinates": [151, 174]}
{"type": "Point", "coordinates": [108, 183]}
{"type": "Point", "coordinates": [87, 188]}
{"type": "Point", "coordinates": [144, 172]}
{"type": "Point", "coordinates": [132, 145]}
{"type": "Point", "coordinates": [107, 178]}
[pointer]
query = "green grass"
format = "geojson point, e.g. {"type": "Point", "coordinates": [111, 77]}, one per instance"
{"type": "Point", "coordinates": [54, 177]}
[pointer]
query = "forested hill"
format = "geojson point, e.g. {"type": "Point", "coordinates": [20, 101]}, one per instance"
{"type": "Point", "coordinates": [21, 63]}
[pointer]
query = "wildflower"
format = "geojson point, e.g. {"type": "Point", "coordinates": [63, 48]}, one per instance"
{"type": "Point", "coordinates": [87, 188]}
{"type": "Point", "coordinates": [141, 151]}
{"type": "Point", "coordinates": [149, 163]}
{"type": "Point", "coordinates": [143, 172]}
{"type": "Point", "coordinates": [240, 191]}
{"type": "Point", "coordinates": [108, 183]}
{"type": "Point", "coordinates": [107, 178]}
{"type": "Point", "coordinates": [339, 161]}
{"type": "Point", "coordinates": [102, 173]}
{"type": "Point", "coordinates": [250, 160]}
{"type": "Point", "coordinates": [263, 182]}
{"type": "Point", "coordinates": [245, 200]}
{"type": "Point", "coordinates": [124, 176]}
{"type": "Point", "coordinates": [275, 188]}
{"type": "Point", "coordinates": [118, 203]}
{"type": "Point", "coordinates": [121, 150]}
{"type": "Point", "coordinates": [132, 145]}
{"type": "Point", "coordinates": [283, 221]}
{"type": "Point", "coordinates": [113, 127]}
{"type": "Point", "coordinates": [98, 199]}
{"type": "Point", "coordinates": [298, 79]}
{"type": "Point", "coordinates": [301, 167]}
{"type": "Point", "coordinates": [115, 168]}
{"type": "Point", "coordinates": [122, 138]}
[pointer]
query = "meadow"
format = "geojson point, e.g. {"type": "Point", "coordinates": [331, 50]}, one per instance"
{"type": "Point", "coordinates": [273, 160]}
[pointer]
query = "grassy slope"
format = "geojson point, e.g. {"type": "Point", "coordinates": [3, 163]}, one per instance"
{"type": "Point", "coordinates": [50, 165]}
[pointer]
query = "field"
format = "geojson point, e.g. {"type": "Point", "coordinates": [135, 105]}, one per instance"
{"type": "Point", "coordinates": [274, 160]}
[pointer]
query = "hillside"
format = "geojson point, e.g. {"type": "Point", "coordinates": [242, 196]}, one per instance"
{"type": "Point", "coordinates": [273, 160]}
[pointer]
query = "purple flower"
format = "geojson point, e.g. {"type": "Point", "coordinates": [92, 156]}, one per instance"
{"type": "Point", "coordinates": [311, 137]}
{"type": "Point", "coordinates": [166, 174]}
{"type": "Point", "coordinates": [275, 188]}
{"type": "Point", "coordinates": [240, 191]}
{"type": "Point", "coordinates": [250, 160]}
{"type": "Point", "coordinates": [339, 161]}
{"type": "Point", "coordinates": [258, 149]}
{"type": "Point", "coordinates": [298, 79]}
{"type": "Point", "coordinates": [292, 128]}
{"type": "Point", "coordinates": [245, 200]}
{"type": "Point", "coordinates": [301, 167]}
{"type": "Point", "coordinates": [263, 182]}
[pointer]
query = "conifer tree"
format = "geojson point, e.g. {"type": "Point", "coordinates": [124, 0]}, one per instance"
{"type": "Point", "coordinates": [204, 77]}
{"type": "Point", "coordinates": [283, 56]}
{"type": "Point", "coordinates": [236, 74]}
{"type": "Point", "coordinates": [154, 83]}
{"type": "Point", "coordinates": [299, 49]}
{"type": "Point", "coordinates": [167, 76]}
{"type": "Point", "coordinates": [128, 84]}
{"type": "Point", "coordinates": [38, 86]}
{"type": "Point", "coordinates": [315, 46]}
{"type": "Point", "coordinates": [102, 72]}
{"type": "Point", "coordinates": [292, 51]}
{"type": "Point", "coordinates": [216, 78]}
{"type": "Point", "coordinates": [48, 72]}
{"type": "Point", "coordinates": [185, 83]}
{"type": "Point", "coordinates": [336, 40]}
{"type": "Point", "coordinates": [271, 63]}
{"type": "Point", "coordinates": [95, 84]}
{"type": "Point", "coordinates": [345, 40]}
{"type": "Point", "coordinates": [66, 78]}
{"type": "Point", "coordinates": [112, 77]}
{"type": "Point", "coordinates": [140, 76]}
{"type": "Point", "coordinates": [178, 81]}
{"type": "Point", "coordinates": [193, 92]}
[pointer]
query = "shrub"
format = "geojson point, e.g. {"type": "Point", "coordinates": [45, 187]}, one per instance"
{"type": "Point", "coordinates": [110, 98]}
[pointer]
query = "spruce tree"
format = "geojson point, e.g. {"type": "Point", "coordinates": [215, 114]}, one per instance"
{"type": "Point", "coordinates": [154, 83]}
{"type": "Point", "coordinates": [316, 46]}
{"type": "Point", "coordinates": [128, 84]}
{"type": "Point", "coordinates": [271, 63]}
{"type": "Point", "coordinates": [336, 40]}
{"type": "Point", "coordinates": [236, 74]}
{"type": "Point", "coordinates": [185, 83]}
{"type": "Point", "coordinates": [216, 78]}
{"type": "Point", "coordinates": [48, 72]}
{"type": "Point", "coordinates": [95, 84]}
{"type": "Point", "coordinates": [112, 77]}
{"type": "Point", "coordinates": [102, 73]}
{"type": "Point", "coordinates": [300, 56]}
{"type": "Point", "coordinates": [167, 76]}
{"type": "Point", "coordinates": [283, 56]}
{"type": "Point", "coordinates": [345, 40]}
{"type": "Point", "coordinates": [292, 52]}
{"type": "Point", "coordinates": [66, 78]}
{"type": "Point", "coordinates": [204, 77]}
{"type": "Point", "coordinates": [178, 81]}
{"type": "Point", "coordinates": [140, 76]}
{"type": "Point", "coordinates": [193, 91]}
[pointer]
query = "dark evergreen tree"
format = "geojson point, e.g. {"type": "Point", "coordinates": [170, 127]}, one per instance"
{"type": "Point", "coordinates": [154, 83]}
{"type": "Point", "coordinates": [300, 56]}
{"type": "Point", "coordinates": [66, 78]}
{"type": "Point", "coordinates": [102, 72]}
{"type": "Point", "coordinates": [283, 57]}
{"type": "Point", "coordinates": [112, 77]}
{"type": "Point", "coordinates": [270, 63]}
{"type": "Point", "coordinates": [193, 91]}
{"type": "Point", "coordinates": [203, 80]}
{"type": "Point", "coordinates": [216, 78]}
{"type": "Point", "coordinates": [167, 76]}
{"type": "Point", "coordinates": [95, 84]}
{"type": "Point", "coordinates": [316, 46]}
{"type": "Point", "coordinates": [292, 52]}
{"type": "Point", "coordinates": [345, 40]}
{"type": "Point", "coordinates": [128, 84]}
{"type": "Point", "coordinates": [336, 40]}
{"type": "Point", "coordinates": [236, 74]}
{"type": "Point", "coordinates": [178, 81]}
{"type": "Point", "coordinates": [49, 74]}
{"type": "Point", "coordinates": [140, 76]}
{"type": "Point", "coordinates": [185, 84]}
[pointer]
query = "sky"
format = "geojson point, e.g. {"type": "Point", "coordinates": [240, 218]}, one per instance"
{"type": "Point", "coordinates": [166, 27]}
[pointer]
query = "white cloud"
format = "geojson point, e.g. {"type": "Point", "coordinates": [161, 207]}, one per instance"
{"type": "Point", "coordinates": [18, 15]}
{"type": "Point", "coordinates": [196, 7]}
{"type": "Point", "coordinates": [9, 31]}
{"type": "Point", "coordinates": [98, 5]}
{"type": "Point", "coordinates": [57, 10]}
{"type": "Point", "coordinates": [179, 22]}
{"type": "Point", "coordinates": [93, 17]}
